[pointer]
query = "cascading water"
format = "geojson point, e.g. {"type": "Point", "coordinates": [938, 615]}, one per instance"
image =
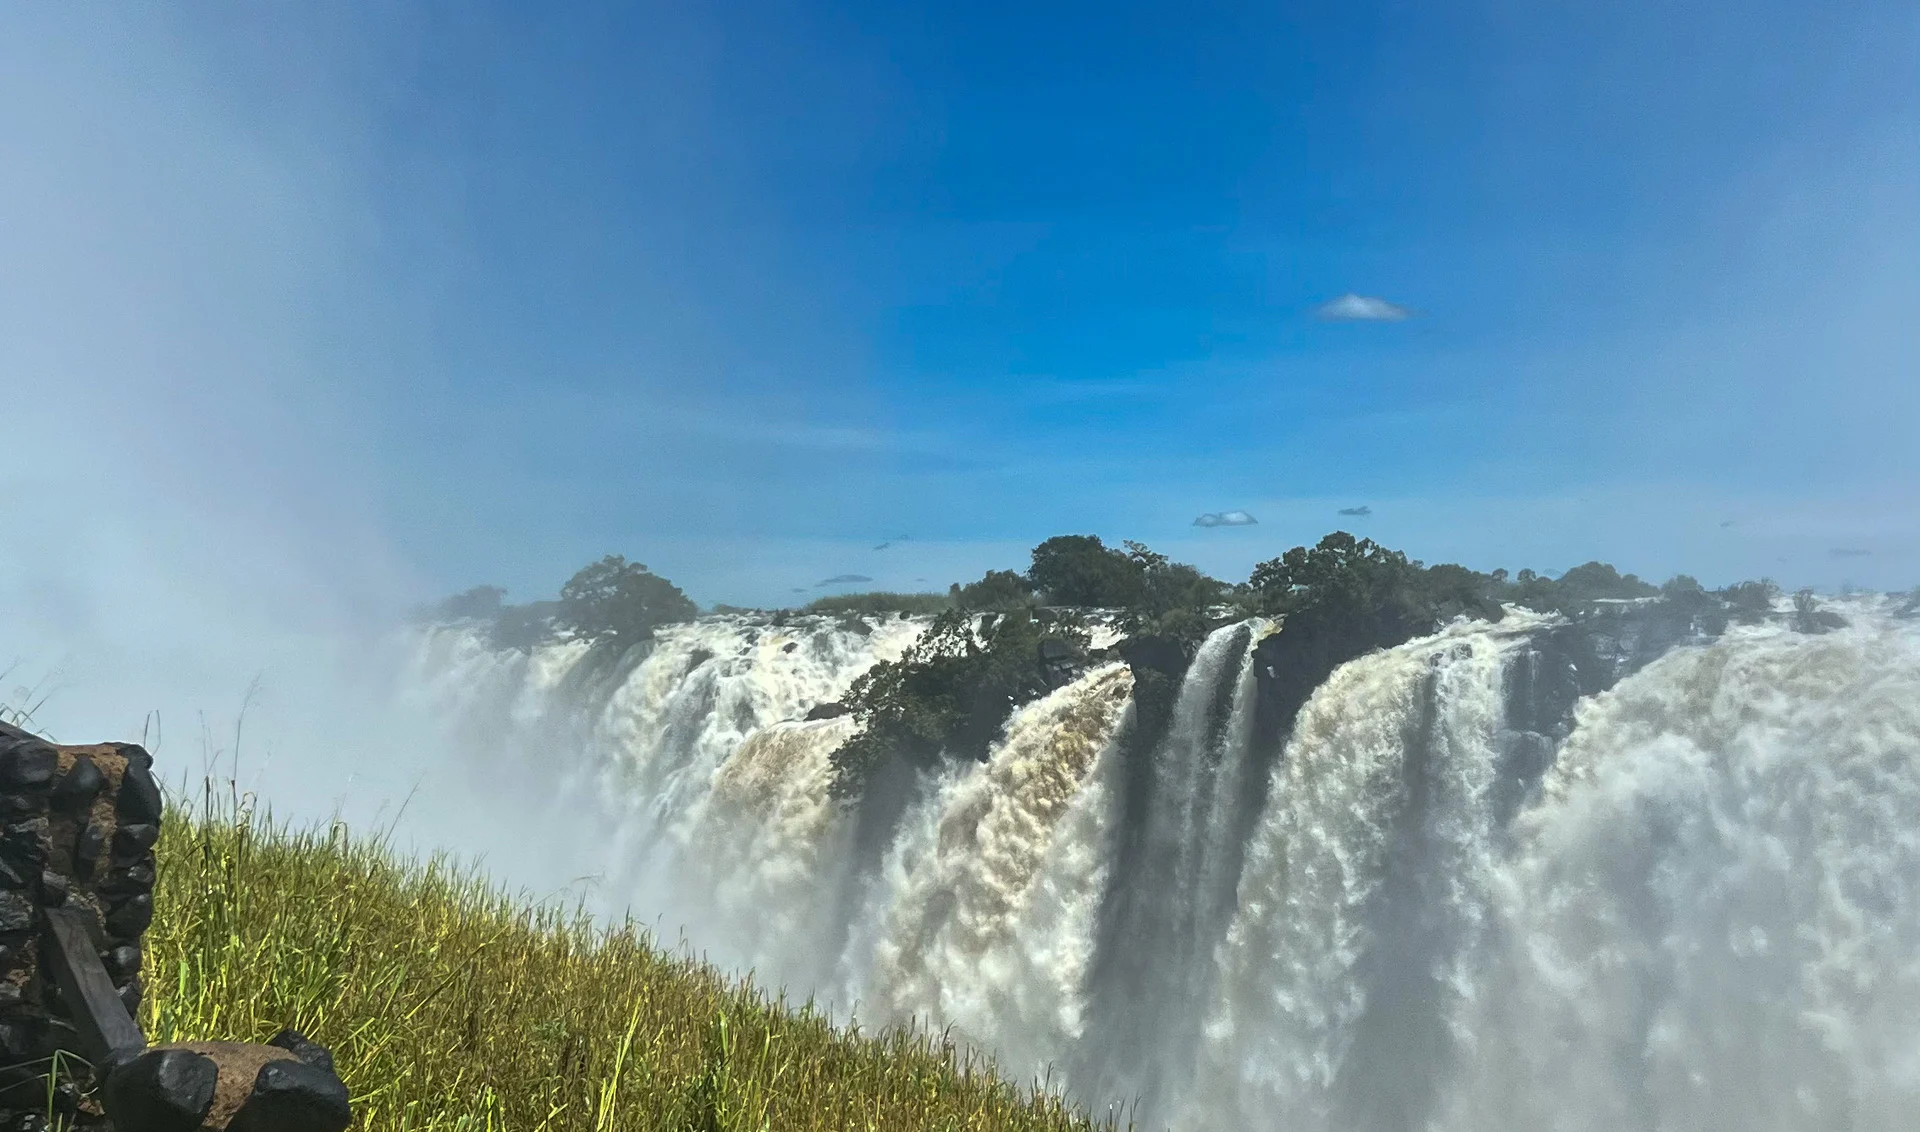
{"type": "Point", "coordinates": [1478, 897]}
{"type": "Point", "coordinates": [1170, 893]}
{"type": "Point", "coordinates": [1712, 920]}
{"type": "Point", "coordinates": [1361, 890]}
{"type": "Point", "coordinates": [989, 917]}
{"type": "Point", "coordinates": [638, 753]}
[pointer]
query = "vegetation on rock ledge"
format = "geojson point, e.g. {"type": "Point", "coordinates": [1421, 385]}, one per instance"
{"type": "Point", "coordinates": [951, 692]}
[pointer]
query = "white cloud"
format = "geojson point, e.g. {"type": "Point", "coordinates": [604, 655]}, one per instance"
{"type": "Point", "coordinates": [1362, 308]}
{"type": "Point", "coordinates": [1225, 519]}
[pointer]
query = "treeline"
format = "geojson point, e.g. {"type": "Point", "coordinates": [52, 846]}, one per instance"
{"type": "Point", "coordinates": [1000, 643]}
{"type": "Point", "coordinates": [1006, 638]}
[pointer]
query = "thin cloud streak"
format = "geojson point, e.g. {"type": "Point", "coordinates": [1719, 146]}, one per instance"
{"type": "Point", "coordinates": [1361, 308]}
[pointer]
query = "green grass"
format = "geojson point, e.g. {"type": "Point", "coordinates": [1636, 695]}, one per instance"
{"type": "Point", "coordinates": [451, 1006]}
{"type": "Point", "coordinates": [879, 602]}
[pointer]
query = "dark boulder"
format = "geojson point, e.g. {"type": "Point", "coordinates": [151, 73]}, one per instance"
{"type": "Point", "coordinates": [304, 1048]}
{"type": "Point", "coordinates": [139, 795]}
{"type": "Point", "coordinates": [162, 1090]}
{"type": "Point", "coordinates": [293, 1096]}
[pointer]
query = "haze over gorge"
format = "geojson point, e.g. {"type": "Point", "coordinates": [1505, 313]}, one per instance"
{"type": "Point", "coordinates": [1357, 846]}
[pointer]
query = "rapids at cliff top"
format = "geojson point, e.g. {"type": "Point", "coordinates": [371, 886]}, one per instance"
{"type": "Point", "coordinates": [1511, 876]}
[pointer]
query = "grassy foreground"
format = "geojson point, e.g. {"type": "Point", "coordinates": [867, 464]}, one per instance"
{"type": "Point", "coordinates": [450, 1006]}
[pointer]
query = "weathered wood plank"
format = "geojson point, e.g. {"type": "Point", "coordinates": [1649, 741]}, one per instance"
{"type": "Point", "coordinates": [97, 1011]}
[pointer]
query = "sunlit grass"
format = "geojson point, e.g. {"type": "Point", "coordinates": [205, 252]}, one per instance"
{"type": "Point", "coordinates": [449, 1005]}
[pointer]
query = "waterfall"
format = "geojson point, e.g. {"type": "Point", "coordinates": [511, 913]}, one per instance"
{"type": "Point", "coordinates": [1712, 919]}
{"type": "Point", "coordinates": [1545, 873]}
{"type": "Point", "coordinates": [1171, 889]}
{"type": "Point", "coordinates": [1362, 890]}
{"type": "Point", "coordinates": [988, 920]}
{"type": "Point", "coordinates": [662, 768]}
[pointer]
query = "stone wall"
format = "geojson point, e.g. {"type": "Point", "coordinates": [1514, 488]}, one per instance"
{"type": "Point", "coordinates": [77, 829]}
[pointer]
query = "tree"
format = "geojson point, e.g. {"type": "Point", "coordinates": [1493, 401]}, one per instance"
{"type": "Point", "coordinates": [1081, 570]}
{"type": "Point", "coordinates": [997, 590]}
{"type": "Point", "coordinates": [1808, 617]}
{"type": "Point", "coordinates": [1172, 599]}
{"type": "Point", "coordinates": [1342, 570]}
{"type": "Point", "coordinates": [614, 599]}
{"type": "Point", "coordinates": [1751, 602]}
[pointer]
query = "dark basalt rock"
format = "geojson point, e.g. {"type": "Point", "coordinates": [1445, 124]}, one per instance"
{"type": "Point", "coordinates": [87, 848]}
{"type": "Point", "coordinates": [829, 710]}
{"type": "Point", "coordinates": [130, 995]}
{"type": "Point", "coordinates": [16, 911]}
{"type": "Point", "coordinates": [133, 878]}
{"type": "Point", "coordinates": [304, 1048]}
{"type": "Point", "coordinates": [134, 839]}
{"type": "Point", "coordinates": [122, 961]}
{"type": "Point", "coordinates": [25, 838]}
{"type": "Point", "coordinates": [162, 1090]}
{"type": "Point", "coordinates": [1163, 655]}
{"type": "Point", "coordinates": [27, 765]}
{"type": "Point", "coordinates": [293, 1096]}
{"type": "Point", "coordinates": [131, 917]}
{"type": "Point", "coordinates": [24, 1038]}
{"type": "Point", "coordinates": [77, 788]}
{"type": "Point", "coordinates": [139, 796]}
{"type": "Point", "coordinates": [135, 754]}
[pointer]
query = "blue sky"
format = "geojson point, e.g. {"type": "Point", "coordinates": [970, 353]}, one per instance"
{"type": "Point", "coordinates": [351, 307]}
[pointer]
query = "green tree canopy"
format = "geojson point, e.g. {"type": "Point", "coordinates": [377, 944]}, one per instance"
{"type": "Point", "coordinates": [1082, 570]}
{"type": "Point", "coordinates": [620, 600]}
{"type": "Point", "coordinates": [1339, 569]}
{"type": "Point", "coordinates": [997, 590]}
{"type": "Point", "coordinates": [1172, 599]}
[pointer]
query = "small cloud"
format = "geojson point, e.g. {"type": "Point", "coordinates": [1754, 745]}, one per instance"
{"type": "Point", "coordinates": [1356, 511]}
{"type": "Point", "coordinates": [1225, 519]}
{"type": "Point", "coordinates": [843, 580]}
{"type": "Point", "coordinates": [1727, 523]}
{"type": "Point", "coordinates": [1849, 552]}
{"type": "Point", "coordinates": [883, 546]}
{"type": "Point", "coordinates": [1362, 308]}
{"type": "Point", "coordinates": [799, 589]}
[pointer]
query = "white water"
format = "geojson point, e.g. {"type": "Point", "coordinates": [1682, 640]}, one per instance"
{"type": "Point", "coordinates": [1707, 920]}
{"type": "Point", "coordinates": [1294, 983]}
{"type": "Point", "coordinates": [988, 917]}
{"type": "Point", "coordinates": [635, 761]}
{"type": "Point", "coordinates": [1713, 920]}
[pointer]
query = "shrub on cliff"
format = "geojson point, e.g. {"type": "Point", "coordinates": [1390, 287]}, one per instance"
{"type": "Point", "coordinates": [622, 601]}
{"type": "Point", "coordinates": [949, 695]}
